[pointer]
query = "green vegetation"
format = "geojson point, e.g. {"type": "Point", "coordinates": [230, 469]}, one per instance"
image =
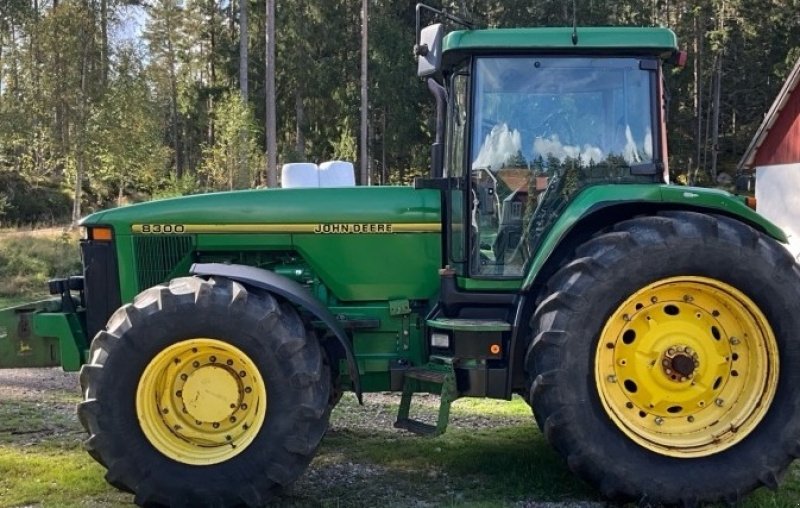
{"type": "Point", "coordinates": [85, 114]}
{"type": "Point", "coordinates": [27, 261]}
{"type": "Point", "coordinates": [493, 456]}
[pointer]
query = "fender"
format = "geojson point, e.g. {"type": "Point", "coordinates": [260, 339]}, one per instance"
{"type": "Point", "coordinates": [673, 197]}
{"type": "Point", "coordinates": [292, 291]}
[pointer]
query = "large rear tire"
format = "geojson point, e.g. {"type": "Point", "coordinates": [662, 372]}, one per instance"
{"type": "Point", "coordinates": [201, 393]}
{"type": "Point", "coordinates": [663, 362]}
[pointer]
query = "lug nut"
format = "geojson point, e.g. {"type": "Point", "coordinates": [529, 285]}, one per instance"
{"type": "Point", "coordinates": [734, 341]}
{"type": "Point", "coordinates": [690, 419]}
{"type": "Point", "coordinates": [195, 364]}
{"type": "Point", "coordinates": [215, 425]}
{"type": "Point", "coordinates": [242, 373]}
{"type": "Point", "coordinates": [611, 379]}
{"type": "Point", "coordinates": [659, 420]}
{"type": "Point", "coordinates": [233, 419]}
{"type": "Point", "coordinates": [229, 362]}
{"type": "Point", "coordinates": [719, 402]}
{"type": "Point", "coordinates": [213, 359]}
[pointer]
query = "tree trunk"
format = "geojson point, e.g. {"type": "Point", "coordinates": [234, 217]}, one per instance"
{"type": "Point", "coordinates": [299, 112]}
{"type": "Point", "coordinates": [272, 142]}
{"type": "Point", "coordinates": [364, 100]}
{"type": "Point", "coordinates": [715, 120]}
{"type": "Point", "coordinates": [384, 171]}
{"type": "Point", "coordinates": [104, 58]}
{"type": "Point", "coordinates": [243, 49]}
{"type": "Point", "coordinates": [698, 95]}
{"type": "Point", "coordinates": [173, 87]}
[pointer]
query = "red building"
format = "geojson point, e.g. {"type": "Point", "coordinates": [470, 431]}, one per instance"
{"type": "Point", "coordinates": [774, 155]}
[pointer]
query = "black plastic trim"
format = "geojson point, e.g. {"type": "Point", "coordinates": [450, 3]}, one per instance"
{"type": "Point", "coordinates": [101, 283]}
{"type": "Point", "coordinates": [292, 291]}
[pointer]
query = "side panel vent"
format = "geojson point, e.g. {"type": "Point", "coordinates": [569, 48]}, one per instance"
{"type": "Point", "coordinates": [158, 256]}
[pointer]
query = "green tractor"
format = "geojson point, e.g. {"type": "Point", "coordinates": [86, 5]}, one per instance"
{"type": "Point", "coordinates": [652, 328]}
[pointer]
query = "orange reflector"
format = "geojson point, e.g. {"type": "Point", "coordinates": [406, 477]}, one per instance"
{"type": "Point", "coordinates": [101, 234]}
{"type": "Point", "coordinates": [494, 349]}
{"type": "Point", "coordinates": [751, 202]}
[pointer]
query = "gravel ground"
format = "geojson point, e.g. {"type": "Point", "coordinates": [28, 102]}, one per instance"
{"type": "Point", "coordinates": [333, 479]}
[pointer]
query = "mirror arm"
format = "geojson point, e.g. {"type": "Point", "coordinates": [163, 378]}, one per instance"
{"type": "Point", "coordinates": [456, 19]}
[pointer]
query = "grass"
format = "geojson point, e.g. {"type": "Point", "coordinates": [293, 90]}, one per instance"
{"type": "Point", "coordinates": [493, 456]}
{"type": "Point", "coordinates": [29, 259]}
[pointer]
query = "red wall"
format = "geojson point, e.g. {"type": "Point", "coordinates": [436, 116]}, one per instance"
{"type": "Point", "coordinates": [782, 145]}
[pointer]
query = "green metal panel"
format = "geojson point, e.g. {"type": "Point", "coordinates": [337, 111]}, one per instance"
{"type": "Point", "coordinates": [499, 285]}
{"type": "Point", "coordinates": [38, 334]}
{"type": "Point", "coordinates": [280, 206]}
{"type": "Point", "coordinates": [641, 40]}
{"type": "Point", "coordinates": [389, 248]}
{"type": "Point", "coordinates": [713, 200]}
{"type": "Point", "coordinates": [71, 339]}
{"type": "Point", "coordinates": [374, 267]}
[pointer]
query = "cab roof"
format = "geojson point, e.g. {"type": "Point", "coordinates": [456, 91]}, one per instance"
{"type": "Point", "coordinates": [651, 41]}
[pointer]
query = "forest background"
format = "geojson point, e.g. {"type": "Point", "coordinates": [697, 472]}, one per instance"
{"type": "Point", "coordinates": [90, 119]}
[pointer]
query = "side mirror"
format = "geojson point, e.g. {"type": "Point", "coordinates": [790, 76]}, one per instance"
{"type": "Point", "coordinates": [429, 50]}
{"type": "Point", "coordinates": [745, 184]}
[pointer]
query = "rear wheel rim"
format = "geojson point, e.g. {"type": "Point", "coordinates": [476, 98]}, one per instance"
{"type": "Point", "coordinates": [201, 401]}
{"type": "Point", "coordinates": [687, 366]}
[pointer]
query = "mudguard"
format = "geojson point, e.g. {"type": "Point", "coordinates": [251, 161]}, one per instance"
{"type": "Point", "coordinates": [292, 291]}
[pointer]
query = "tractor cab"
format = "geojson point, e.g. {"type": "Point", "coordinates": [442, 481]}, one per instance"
{"type": "Point", "coordinates": [532, 117]}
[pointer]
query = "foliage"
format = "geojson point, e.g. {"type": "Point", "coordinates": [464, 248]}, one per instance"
{"type": "Point", "coordinates": [345, 148]}
{"type": "Point", "coordinates": [234, 160]}
{"type": "Point", "coordinates": [23, 202]}
{"type": "Point", "coordinates": [82, 114]}
{"type": "Point", "coordinates": [126, 148]}
{"type": "Point", "coordinates": [27, 261]}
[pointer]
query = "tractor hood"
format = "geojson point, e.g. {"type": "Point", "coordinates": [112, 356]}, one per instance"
{"type": "Point", "coordinates": [277, 210]}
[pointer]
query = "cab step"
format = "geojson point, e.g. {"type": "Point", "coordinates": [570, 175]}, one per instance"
{"type": "Point", "coordinates": [438, 372]}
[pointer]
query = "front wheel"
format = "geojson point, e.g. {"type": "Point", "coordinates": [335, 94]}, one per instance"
{"type": "Point", "coordinates": [662, 368]}
{"type": "Point", "coordinates": [201, 393]}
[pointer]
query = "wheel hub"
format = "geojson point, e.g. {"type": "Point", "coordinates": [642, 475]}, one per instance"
{"type": "Point", "coordinates": [687, 366]}
{"type": "Point", "coordinates": [201, 401]}
{"type": "Point", "coordinates": [680, 363]}
{"type": "Point", "coordinates": [211, 394]}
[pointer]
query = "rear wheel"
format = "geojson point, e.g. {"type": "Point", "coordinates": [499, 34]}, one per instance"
{"type": "Point", "coordinates": [661, 368]}
{"type": "Point", "coordinates": [202, 393]}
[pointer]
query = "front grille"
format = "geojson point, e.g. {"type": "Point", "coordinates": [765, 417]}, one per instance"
{"type": "Point", "coordinates": [158, 256]}
{"type": "Point", "coordinates": [101, 283]}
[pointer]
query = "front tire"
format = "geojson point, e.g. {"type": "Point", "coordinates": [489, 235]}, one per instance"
{"type": "Point", "coordinates": [663, 362]}
{"type": "Point", "coordinates": [202, 393]}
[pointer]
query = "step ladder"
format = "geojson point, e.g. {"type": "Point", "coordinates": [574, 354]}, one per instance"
{"type": "Point", "coordinates": [439, 371]}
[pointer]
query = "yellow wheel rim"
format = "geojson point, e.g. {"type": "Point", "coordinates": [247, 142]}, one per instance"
{"type": "Point", "coordinates": [687, 366]}
{"type": "Point", "coordinates": [201, 401]}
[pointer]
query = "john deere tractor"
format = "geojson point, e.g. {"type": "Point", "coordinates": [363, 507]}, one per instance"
{"type": "Point", "coordinates": [653, 328]}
